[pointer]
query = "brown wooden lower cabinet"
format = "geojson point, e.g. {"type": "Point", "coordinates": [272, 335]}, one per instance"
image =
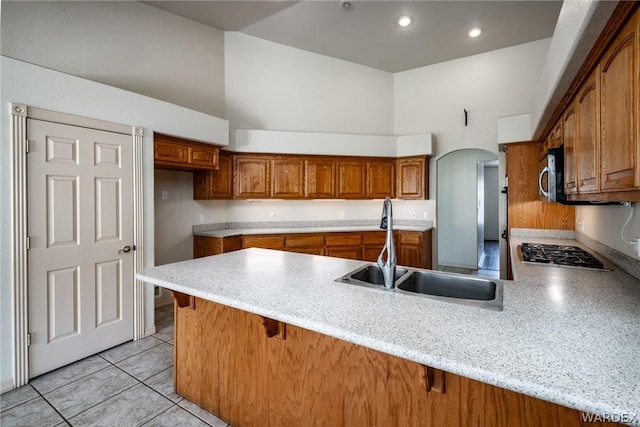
{"type": "Point", "coordinates": [226, 363]}
{"type": "Point", "coordinates": [413, 248]}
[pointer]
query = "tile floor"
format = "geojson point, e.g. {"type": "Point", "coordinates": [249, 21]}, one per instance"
{"type": "Point", "coordinates": [128, 385]}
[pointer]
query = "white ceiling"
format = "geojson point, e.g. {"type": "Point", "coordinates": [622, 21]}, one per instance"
{"type": "Point", "coordinates": [369, 35]}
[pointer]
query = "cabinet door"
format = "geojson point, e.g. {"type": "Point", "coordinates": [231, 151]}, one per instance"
{"type": "Point", "coordinates": [381, 176]}
{"type": "Point", "coordinates": [588, 135]}
{"type": "Point", "coordinates": [215, 184]}
{"type": "Point", "coordinates": [344, 245]}
{"type": "Point", "coordinates": [201, 155]}
{"type": "Point", "coordinates": [170, 151]}
{"type": "Point", "coordinates": [320, 182]}
{"type": "Point", "coordinates": [570, 175]}
{"type": "Point", "coordinates": [251, 177]}
{"type": "Point", "coordinates": [349, 252]}
{"type": "Point", "coordinates": [287, 178]}
{"type": "Point", "coordinates": [412, 178]}
{"type": "Point", "coordinates": [410, 256]}
{"type": "Point", "coordinates": [265, 242]}
{"type": "Point", "coordinates": [351, 179]}
{"type": "Point", "coordinates": [618, 113]}
{"type": "Point", "coordinates": [557, 135]}
{"type": "Point", "coordinates": [304, 243]}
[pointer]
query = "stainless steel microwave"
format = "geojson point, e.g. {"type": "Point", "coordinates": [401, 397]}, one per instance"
{"type": "Point", "coordinates": [550, 180]}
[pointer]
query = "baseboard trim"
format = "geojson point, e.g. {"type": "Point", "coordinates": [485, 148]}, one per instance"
{"type": "Point", "coordinates": [6, 385]}
{"type": "Point", "coordinates": [150, 331]}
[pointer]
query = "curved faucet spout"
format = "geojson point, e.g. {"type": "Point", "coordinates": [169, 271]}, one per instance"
{"type": "Point", "coordinates": [388, 267]}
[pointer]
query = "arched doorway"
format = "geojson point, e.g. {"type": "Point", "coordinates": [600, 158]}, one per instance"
{"type": "Point", "coordinates": [467, 210]}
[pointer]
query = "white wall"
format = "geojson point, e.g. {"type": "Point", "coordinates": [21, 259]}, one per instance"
{"type": "Point", "coordinates": [275, 87]}
{"type": "Point", "coordinates": [457, 207]}
{"type": "Point", "coordinates": [324, 210]}
{"type": "Point", "coordinates": [125, 44]}
{"type": "Point", "coordinates": [603, 223]}
{"type": "Point", "coordinates": [44, 88]}
{"type": "Point", "coordinates": [489, 85]}
{"type": "Point", "coordinates": [578, 27]}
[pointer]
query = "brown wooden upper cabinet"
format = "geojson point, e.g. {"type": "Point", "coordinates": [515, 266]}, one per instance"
{"type": "Point", "coordinates": [181, 154]}
{"type": "Point", "coordinates": [215, 184]}
{"type": "Point", "coordinates": [350, 179]}
{"type": "Point", "coordinates": [587, 150]}
{"type": "Point", "coordinates": [381, 179]}
{"type": "Point", "coordinates": [601, 119]}
{"type": "Point", "coordinates": [251, 177]}
{"type": "Point", "coordinates": [320, 180]}
{"type": "Point", "coordinates": [619, 111]}
{"type": "Point", "coordinates": [287, 178]}
{"type": "Point", "coordinates": [569, 137]}
{"type": "Point", "coordinates": [413, 178]}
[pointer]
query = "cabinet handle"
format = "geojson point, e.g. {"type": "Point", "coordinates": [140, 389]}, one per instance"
{"type": "Point", "coordinates": [274, 328]}
{"type": "Point", "coordinates": [184, 300]}
{"type": "Point", "coordinates": [433, 379]}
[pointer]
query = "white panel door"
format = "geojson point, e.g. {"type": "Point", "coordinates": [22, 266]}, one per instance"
{"type": "Point", "coordinates": [80, 217]}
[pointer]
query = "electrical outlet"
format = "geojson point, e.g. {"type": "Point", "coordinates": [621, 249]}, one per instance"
{"type": "Point", "coordinates": [414, 215]}
{"type": "Point", "coordinates": [341, 214]}
{"type": "Point", "coordinates": [273, 215]}
{"type": "Point", "coordinates": [201, 218]}
{"type": "Point", "coordinates": [425, 215]}
{"type": "Point", "coordinates": [165, 194]}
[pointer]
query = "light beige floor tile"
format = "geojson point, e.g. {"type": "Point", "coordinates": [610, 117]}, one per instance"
{"type": "Point", "coordinates": [36, 412]}
{"type": "Point", "coordinates": [17, 396]}
{"type": "Point", "coordinates": [132, 407]}
{"type": "Point", "coordinates": [131, 348]}
{"type": "Point", "coordinates": [63, 376]}
{"type": "Point", "coordinates": [207, 417]}
{"type": "Point", "coordinates": [176, 416]}
{"type": "Point", "coordinates": [148, 363]}
{"type": "Point", "coordinates": [163, 384]}
{"type": "Point", "coordinates": [80, 395]}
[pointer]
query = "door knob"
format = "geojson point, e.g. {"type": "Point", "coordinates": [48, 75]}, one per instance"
{"type": "Point", "coordinates": [125, 249]}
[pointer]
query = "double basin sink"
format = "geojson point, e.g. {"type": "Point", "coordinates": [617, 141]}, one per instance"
{"type": "Point", "coordinates": [449, 287]}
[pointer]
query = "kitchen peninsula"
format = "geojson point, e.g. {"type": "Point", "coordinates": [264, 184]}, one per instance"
{"type": "Point", "coordinates": [265, 337]}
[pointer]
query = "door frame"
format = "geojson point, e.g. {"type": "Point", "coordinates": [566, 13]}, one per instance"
{"type": "Point", "coordinates": [19, 237]}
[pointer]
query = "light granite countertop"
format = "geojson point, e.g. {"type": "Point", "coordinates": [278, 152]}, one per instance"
{"type": "Point", "coordinates": [293, 227]}
{"type": "Point", "coordinates": [565, 335]}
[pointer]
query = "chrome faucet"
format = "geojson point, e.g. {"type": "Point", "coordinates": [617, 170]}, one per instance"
{"type": "Point", "coordinates": [388, 268]}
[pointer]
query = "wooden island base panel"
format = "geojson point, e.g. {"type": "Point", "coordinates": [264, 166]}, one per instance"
{"type": "Point", "coordinates": [252, 371]}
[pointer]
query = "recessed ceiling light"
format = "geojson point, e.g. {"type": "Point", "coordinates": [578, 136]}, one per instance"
{"type": "Point", "coordinates": [347, 5]}
{"type": "Point", "coordinates": [475, 32]}
{"type": "Point", "coordinates": [405, 20]}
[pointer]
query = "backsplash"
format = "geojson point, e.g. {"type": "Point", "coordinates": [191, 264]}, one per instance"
{"type": "Point", "coordinates": [293, 224]}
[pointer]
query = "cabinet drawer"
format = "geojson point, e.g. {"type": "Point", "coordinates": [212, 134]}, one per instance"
{"type": "Point", "coordinates": [171, 152]}
{"type": "Point", "coordinates": [410, 238]}
{"type": "Point", "coordinates": [348, 252]}
{"type": "Point", "coordinates": [231, 244]}
{"type": "Point", "coordinates": [374, 237]}
{"type": "Point", "coordinates": [266, 242]}
{"type": "Point", "coordinates": [303, 240]}
{"type": "Point", "coordinates": [204, 156]}
{"type": "Point", "coordinates": [351, 239]}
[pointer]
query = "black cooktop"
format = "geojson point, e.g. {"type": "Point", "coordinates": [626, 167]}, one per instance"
{"type": "Point", "coordinates": [569, 256]}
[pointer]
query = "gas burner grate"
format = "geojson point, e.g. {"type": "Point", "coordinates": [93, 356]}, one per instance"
{"type": "Point", "coordinates": [569, 256]}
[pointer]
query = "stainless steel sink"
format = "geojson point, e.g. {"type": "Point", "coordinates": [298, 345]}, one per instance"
{"type": "Point", "coordinates": [370, 275]}
{"type": "Point", "coordinates": [455, 288]}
